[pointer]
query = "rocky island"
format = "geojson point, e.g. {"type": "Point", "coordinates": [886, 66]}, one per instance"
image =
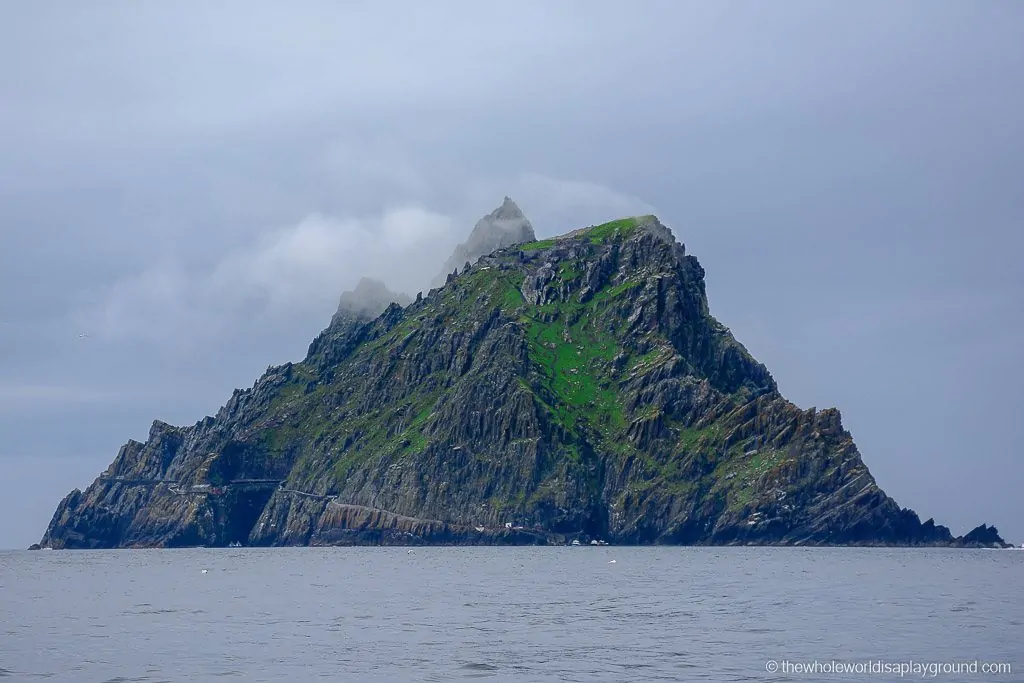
{"type": "Point", "coordinates": [546, 392]}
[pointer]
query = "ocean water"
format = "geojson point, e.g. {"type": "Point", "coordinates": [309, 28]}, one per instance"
{"type": "Point", "coordinates": [512, 614]}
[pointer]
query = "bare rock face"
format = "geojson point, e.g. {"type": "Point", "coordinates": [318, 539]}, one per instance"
{"type": "Point", "coordinates": [576, 388]}
{"type": "Point", "coordinates": [503, 227]}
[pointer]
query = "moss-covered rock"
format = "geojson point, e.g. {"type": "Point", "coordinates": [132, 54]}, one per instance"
{"type": "Point", "coordinates": [573, 388]}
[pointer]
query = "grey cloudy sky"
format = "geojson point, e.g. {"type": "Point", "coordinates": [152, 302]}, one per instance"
{"type": "Point", "coordinates": [194, 186]}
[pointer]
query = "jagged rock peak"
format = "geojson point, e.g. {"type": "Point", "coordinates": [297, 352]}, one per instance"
{"type": "Point", "coordinates": [503, 227]}
{"type": "Point", "coordinates": [508, 211]}
{"type": "Point", "coordinates": [369, 299]}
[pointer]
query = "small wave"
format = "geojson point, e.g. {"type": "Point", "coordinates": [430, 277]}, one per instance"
{"type": "Point", "coordinates": [478, 670]}
{"type": "Point", "coordinates": [154, 611]}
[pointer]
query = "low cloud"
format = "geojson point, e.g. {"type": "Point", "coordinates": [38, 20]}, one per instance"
{"type": "Point", "coordinates": [300, 270]}
{"type": "Point", "coordinates": [295, 270]}
{"type": "Point", "coordinates": [312, 262]}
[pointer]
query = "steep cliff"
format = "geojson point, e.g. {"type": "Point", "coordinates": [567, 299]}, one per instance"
{"type": "Point", "coordinates": [575, 388]}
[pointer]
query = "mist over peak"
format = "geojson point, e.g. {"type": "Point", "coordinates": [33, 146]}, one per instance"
{"type": "Point", "coordinates": [369, 299]}
{"type": "Point", "coordinates": [503, 227]}
{"type": "Point", "coordinates": [508, 211]}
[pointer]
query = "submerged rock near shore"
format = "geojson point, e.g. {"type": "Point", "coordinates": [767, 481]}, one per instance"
{"type": "Point", "coordinates": [570, 389]}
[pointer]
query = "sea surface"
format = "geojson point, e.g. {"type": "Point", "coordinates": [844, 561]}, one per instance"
{"type": "Point", "coordinates": [510, 614]}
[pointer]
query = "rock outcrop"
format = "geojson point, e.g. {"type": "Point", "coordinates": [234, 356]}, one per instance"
{"type": "Point", "coordinates": [575, 388]}
{"type": "Point", "coordinates": [503, 227]}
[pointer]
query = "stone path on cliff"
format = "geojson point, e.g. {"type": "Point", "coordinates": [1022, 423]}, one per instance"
{"type": "Point", "coordinates": [175, 486]}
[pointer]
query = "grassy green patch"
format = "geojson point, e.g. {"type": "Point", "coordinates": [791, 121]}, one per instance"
{"type": "Point", "coordinates": [511, 297]}
{"type": "Point", "coordinates": [621, 228]}
{"type": "Point", "coordinates": [573, 345]}
{"type": "Point", "coordinates": [539, 244]}
{"type": "Point", "coordinates": [569, 272]}
{"type": "Point", "coordinates": [691, 438]}
{"type": "Point", "coordinates": [619, 289]}
{"type": "Point", "coordinates": [572, 360]}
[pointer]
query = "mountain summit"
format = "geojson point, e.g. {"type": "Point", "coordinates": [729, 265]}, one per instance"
{"type": "Point", "coordinates": [368, 300]}
{"type": "Point", "coordinates": [502, 227]}
{"type": "Point", "coordinates": [571, 389]}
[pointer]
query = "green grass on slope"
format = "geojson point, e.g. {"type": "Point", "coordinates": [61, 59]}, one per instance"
{"type": "Point", "coordinates": [397, 428]}
{"type": "Point", "coordinates": [579, 383]}
{"type": "Point", "coordinates": [334, 429]}
{"type": "Point", "coordinates": [540, 244]}
{"type": "Point", "coordinates": [574, 345]}
{"type": "Point", "coordinates": [623, 228]}
{"type": "Point", "coordinates": [374, 440]}
{"type": "Point", "coordinates": [573, 348]}
{"type": "Point", "coordinates": [598, 234]}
